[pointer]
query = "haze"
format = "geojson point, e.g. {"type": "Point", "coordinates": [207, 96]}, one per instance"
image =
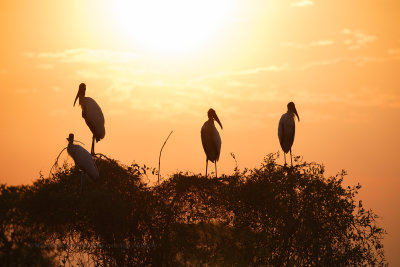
{"type": "Point", "coordinates": [159, 67]}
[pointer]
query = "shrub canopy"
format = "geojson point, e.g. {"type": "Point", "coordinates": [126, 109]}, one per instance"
{"type": "Point", "coordinates": [270, 215]}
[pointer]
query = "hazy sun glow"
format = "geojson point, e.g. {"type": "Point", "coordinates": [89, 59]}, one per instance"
{"type": "Point", "coordinates": [175, 25]}
{"type": "Point", "coordinates": [158, 65]}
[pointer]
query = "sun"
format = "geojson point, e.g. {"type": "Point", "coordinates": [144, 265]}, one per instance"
{"type": "Point", "coordinates": [171, 25]}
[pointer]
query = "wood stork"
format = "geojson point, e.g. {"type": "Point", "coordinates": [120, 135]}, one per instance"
{"type": "Point", "coordinates": [92, 114]}
{"type": "Point", "coordinates": [211, 140]}
{"type": "Point", "coordinates": [82, 159]}
{"type": "Point", "coordinates": [286, 130]}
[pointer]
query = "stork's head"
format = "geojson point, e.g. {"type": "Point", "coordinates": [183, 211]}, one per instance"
{"type": "Point", "coordinates": [292, 109]}
{"type": "Point", "coordinates": [213, 116]}
{"type": "Point", "coordinates": [81, 91]}
{"type": "Point", "coordinates": [70, 138]}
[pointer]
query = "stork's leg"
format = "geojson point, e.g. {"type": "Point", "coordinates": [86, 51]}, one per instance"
{"type": "Point", "coordinates": [291, 157]}
{"type": "Point", "coordinates": [92, 151]}
{"type": "Point", "coordinates": [216, 175]}
{"type": "Point", "coordinates": [284, 155]}
{"type": "Point", "coordinates": [206, 166]}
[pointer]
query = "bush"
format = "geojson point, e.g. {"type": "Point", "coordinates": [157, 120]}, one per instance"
{"type": "Point", "coordinates": [270, 215]}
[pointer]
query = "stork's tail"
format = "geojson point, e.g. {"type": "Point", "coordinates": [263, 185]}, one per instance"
{"type": "Point", "coordinates": [98, 137]}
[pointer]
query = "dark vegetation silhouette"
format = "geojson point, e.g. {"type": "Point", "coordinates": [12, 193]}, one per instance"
{"type": "Point", "coordinates": [269, 215]}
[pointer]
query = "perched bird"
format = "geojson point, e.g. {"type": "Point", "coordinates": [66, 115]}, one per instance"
{"type": "Point", "coordinates": [211, 140]}
{"type": "Point", "coordinates": [286, 130]}
{"type": "Point", "coordinates": [92, 114]}
{"type": "Point", "coordinates": [82, 159]}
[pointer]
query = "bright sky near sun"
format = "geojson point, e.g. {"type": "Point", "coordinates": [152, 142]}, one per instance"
{"type": "Point", "coordinates": [156, 66]}
{"type": "Point", "coordinates": [170, 26]}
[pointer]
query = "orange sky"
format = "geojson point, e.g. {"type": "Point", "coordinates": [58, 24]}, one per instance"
{"type": "Point", "coordinates": [158, 68]}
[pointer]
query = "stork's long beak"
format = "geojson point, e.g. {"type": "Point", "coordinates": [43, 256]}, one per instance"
{"type": "Point", "coordinates": [295, 112]}
{"type": "Point", "coordinates": [77, 95]}
{"type": "Point", "coordinates": [217, 120]}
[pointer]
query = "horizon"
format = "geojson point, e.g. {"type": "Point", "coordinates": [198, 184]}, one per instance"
{"type": "Point", "coordinates": [156, 70]}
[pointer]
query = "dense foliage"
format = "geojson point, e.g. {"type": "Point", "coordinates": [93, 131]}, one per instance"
{"type": "Point", "coordinates": [271, 215]}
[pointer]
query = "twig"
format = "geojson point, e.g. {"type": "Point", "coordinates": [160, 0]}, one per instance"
{"type": "Point", "coordinates": [234, 157]}
{"type": "Point", "coordinates": [103, 156]}
{"type": "Point", "coordinates": [77, 141]}
{"type": "Point", "coordinates": [56, 162]}
{"type": "Point", "coordinates": [159, 157]}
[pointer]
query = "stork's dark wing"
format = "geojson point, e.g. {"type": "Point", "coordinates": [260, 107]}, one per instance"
{"type": "Point", "coordinates": [94, 118]}
{"type": "Point", "coordinates": [286, 130]}
{"type": "Point", "coordinates": [210, 142]}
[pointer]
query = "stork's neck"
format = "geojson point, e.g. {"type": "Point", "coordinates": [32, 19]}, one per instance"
{"type": "Point", "coordinates": [291, 112]}
{"type": "Point", "coordinates": [81, 99]}
{"type": "Point", "coordinates": [70, 147]}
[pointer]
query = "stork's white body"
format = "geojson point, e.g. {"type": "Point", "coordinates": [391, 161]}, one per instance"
{"type": "Point", "coordinates": [84, 161]}
{"type": "Point", "coordinates": [93, 116]}
{"type": "Point", "coordinates": [211, 141]}
{"type": "Point", "coordinates": [286, 131]}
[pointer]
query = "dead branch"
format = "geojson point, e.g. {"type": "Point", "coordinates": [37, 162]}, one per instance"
{"type": "Point", "coordinates": [159, 157]}
{"type": "Point", "coordinates": [56, 162]}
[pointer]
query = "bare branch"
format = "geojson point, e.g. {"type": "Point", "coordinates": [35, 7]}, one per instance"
{"type": "Point", "coordinates": [56, 162]}
{"type": "Point", "coordinates": [159, 157]}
